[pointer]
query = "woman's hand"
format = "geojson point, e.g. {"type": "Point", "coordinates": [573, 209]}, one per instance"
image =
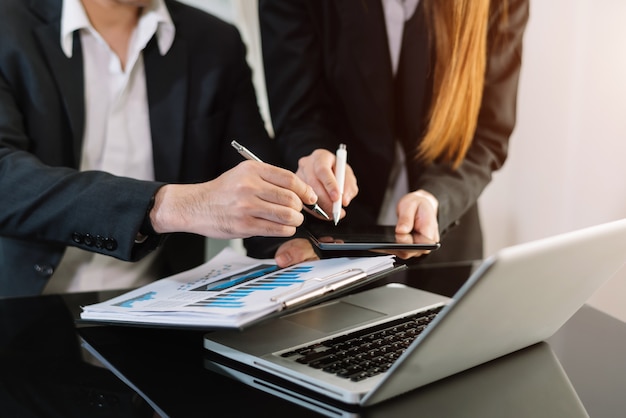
{"type": "Point", "coordinates": [318, 171]}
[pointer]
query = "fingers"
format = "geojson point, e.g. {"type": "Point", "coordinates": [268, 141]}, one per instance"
{"type": "Point", "coordinates": [412, 238]}
{"type": "Point", "coordinates": [295, 251]}
{"type": "Point", "coordinates": [403, 254]}
{"type": "Point", "coordinates": [263, 198]}
{"type": "Point", "coordinates": [285, 182]}
{"type": "Point", "coordinates": [318, 170]}
{"type": "Point", "coordinates": [252, 199]}
{"type": "Point", "coordinates": [417, 212]}
{"type": "Point", "coordinates": [275, 199]}
{"type": "Point", "coordinates": [351, 189]}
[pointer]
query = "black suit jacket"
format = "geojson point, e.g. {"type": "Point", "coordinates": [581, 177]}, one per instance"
{"type": "Point", "coordinates": [329, 80]}
{"type": "Point", "coordinates": [200, 98]}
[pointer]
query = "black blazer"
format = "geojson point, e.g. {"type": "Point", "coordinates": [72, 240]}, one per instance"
{"type": "Point", "coordinates": [329, 80]}
{"type": "Point", "coordinates": [200, 98]}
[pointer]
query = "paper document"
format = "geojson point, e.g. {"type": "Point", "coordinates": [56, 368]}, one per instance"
{"type": "Point", "coordinates": [231, 290]}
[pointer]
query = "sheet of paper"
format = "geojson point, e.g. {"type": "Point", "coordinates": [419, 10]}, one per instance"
{"type": "Point", "coordinates": [230, 290]}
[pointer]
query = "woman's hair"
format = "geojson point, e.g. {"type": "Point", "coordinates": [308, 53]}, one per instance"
{"type": "Point", "coordinates": [458, 34]}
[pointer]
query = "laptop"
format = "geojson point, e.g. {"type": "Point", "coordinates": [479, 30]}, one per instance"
{"type": "Point", "coordinates": [516, 298]}
{"type": "Point", "coordinates": [530, 382]}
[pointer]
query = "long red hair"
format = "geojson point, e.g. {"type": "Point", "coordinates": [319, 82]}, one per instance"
{"type": "Point", "coordinates": [458, 35]}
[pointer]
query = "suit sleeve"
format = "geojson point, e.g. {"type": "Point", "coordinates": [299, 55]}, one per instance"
{"type": "Point", "coordinates": [61, 205]}
{"type": "Point", "coordinates": [297, 96]}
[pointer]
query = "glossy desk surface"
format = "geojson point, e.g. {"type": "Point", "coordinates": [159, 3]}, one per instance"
{"type": "Point", "coordinates": [44, 370]}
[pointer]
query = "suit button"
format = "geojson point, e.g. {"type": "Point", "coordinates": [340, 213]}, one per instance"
{"type": "Point", "coordinates": [103, 403]}
{"type": "Point", "coordinates": [99, 242]}
{"type": "Point", "coordinates": [88, 240]}
{"type": "Point", "coordinates": [44, 270]}
{"type": "Point", "coordinates": [110, 244]}
{"type": "Point", "coordinates": [77, 238]}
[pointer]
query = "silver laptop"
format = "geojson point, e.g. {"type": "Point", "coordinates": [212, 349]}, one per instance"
{"type": "Point", "coordinates": [530, 382]}
{"type": "Point", "coordinates": [516, 298]}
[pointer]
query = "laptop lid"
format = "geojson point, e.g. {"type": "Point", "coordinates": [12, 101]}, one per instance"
{"type": "Point", "coordinates": [516, 298]}
{"type": "Point", "coordinates": [519, 296]}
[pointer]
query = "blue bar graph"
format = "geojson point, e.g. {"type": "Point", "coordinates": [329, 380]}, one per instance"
{"type": "Point", "coordinates": [235, 291]}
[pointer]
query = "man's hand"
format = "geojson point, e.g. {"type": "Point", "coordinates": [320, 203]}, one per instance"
{"type": "Point", "coordinates": [317, 170]}
{"type": "Point", "coordinates": [251, 199]}
{"type": "Point", "coordinates": [295, 251]}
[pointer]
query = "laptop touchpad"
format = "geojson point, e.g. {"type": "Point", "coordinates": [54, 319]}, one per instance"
{"type": "Point", "coordinates": [333, 317]}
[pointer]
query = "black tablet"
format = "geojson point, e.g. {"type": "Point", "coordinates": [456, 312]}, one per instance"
{"type": "Point", "coordinates": [371, 237]}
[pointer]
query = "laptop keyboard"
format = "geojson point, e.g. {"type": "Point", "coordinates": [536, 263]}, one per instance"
{"type": "Point", "coordinates": [366, 352]}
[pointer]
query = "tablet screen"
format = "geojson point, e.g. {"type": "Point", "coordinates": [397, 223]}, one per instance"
{"type": "Point", "coordinates": [371, 237]}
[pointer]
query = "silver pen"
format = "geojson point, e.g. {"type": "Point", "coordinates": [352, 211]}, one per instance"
{"type": "Point", "coordinates": [248, 155]}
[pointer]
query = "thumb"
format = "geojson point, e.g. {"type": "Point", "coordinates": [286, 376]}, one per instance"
{"type": "Point", "coordinates": [406, 209]}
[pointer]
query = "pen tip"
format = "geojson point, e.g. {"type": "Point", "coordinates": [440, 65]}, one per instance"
{"type": "Point", "coordinates": [319, 211]}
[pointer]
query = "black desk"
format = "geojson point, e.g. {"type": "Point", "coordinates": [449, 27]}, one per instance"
{"type": "Point", "coordinates": [44, 371]}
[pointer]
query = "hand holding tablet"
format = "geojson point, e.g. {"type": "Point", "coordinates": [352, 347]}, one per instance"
{"type": "Point", "coordinates": [371, 237]}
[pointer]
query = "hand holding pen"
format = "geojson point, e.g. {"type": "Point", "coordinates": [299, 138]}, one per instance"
{"type": "Point", "coordinates": [318, 170]}
{"type": "Point", "coordinates": [248, 155]}
{"type": "Point", "coordinates": [250, 199]}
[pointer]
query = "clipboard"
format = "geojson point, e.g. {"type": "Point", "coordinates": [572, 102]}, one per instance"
{"type": "Point", "coordinates": [236, 292]}
{"type": "Point", "coordinates": [350, 284]}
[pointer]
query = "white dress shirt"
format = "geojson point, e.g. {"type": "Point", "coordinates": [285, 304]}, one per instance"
{"type": "Point", "coordinates": [396, 13]}
{"type": "Point", "coordinates": [117, 137]}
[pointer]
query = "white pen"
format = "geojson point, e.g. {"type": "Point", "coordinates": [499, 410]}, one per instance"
{"type": "Point", "coordinates": [340, 175]}
{"type": "Point", "coordinates": [248, 155]}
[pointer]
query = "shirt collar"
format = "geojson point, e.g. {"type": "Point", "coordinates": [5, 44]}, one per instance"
{"type": "Point", "coordinates": [74, 17]}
